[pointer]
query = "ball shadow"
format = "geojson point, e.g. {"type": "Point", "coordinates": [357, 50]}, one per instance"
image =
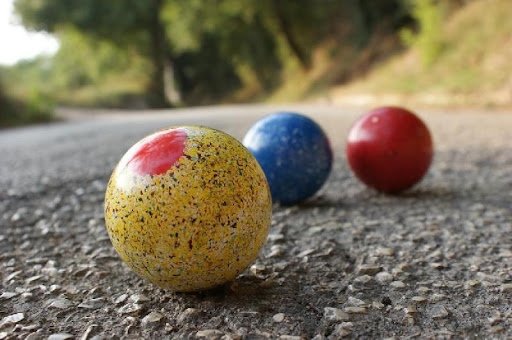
{"type": "Point", "coordinates": [425, 193]}
{"type": "Point", "coordinates": [323, 201]}
{"type": "Point", "coordinates": [248, 293]}
{"type": "Point", "coordinates": [368, 194]}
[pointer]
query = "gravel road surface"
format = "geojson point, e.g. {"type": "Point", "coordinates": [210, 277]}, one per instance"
{"type": "Point", "coordinates": [434, 262]}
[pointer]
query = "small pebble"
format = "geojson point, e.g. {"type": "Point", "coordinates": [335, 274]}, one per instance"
{"type": "Point", "coordinates": [187, 314]}
{"type": "Point", "coordinates": [439, 312]}
{"type": "Point", "coordinates": [306, 252]}
{"type": "Point", "coordinates": [409, 319]}
{"type": "Point", "coordinates": [61, 303]}
{"type": "Point", "coordinates": [506, 288]}
{"type": "Point", "coordinates": [472, 283]}
{"type": "Point", "coordinates": [419, 299]}
{"type": "Point", "coordinates": [88, 332]}
{"type": "Point", "coordinates": [130, 308]}
{"type": "Point", "coordinates": [35, 336]}
{"type": "Point", "coordinates": [363, 279]}
{"type": "Point", "coordinates": [54, 288]}
{"type": "Point", "coordinates": [60, 336]}
{"type": "Point", "coordinates": [355, 302]}
{"type": "Point", "coordinates": [347, 325]}
{"type": "Point", "coordinates": [436, 265]}
{"type": "Point", "coordinates": [397, 284]}
{"type": "Point", "coordinates": [86, 306]}
{"type": "Point", "coordinates": [495, 320]}
{"type": "Point", "coordinates": [505, 253]}
{"type": "Point", "coordinates": [423, 290]}
{"type": "Point", "coordinates": [410, 310]}
{"type": "Point", "coordinates": [209, 333]}
{"type": "Point", "coordinates": [496, 329]}
{"type": "Point", "coordinates": [355, 310]}
{"type": "Point", "coordinates": [406, 267]}
{"type": "Point", "coordinates": [275, 251]}
{"type": "Point", "coordinates": [385, 251]}
{"type": "Point", "coordinates": [397, 271]}
{"type": "Point", "coordinates": [279, 317]}
{"type": "Point", "coordinates": [341, 331]}
{"type": "Point", "coordinates": [488, 277]}
{"type": "Point", "coordinates": [30, 327]}
{"type": "Point", "coordinates": [378, 304]}
{"type": "Point", "coordinates": [437, 297]}
{"type": "Point", "coordinates": [12, 319]}
{"type": "Point", "coordinates": [16, 217]}
{"type": "Point", "coordinates": [368, 270]}
{"type": "Point", "coordinates": [151, 318]}
{"type": "Point", "coordinates": [335, 314]}
{"type": "Point", "coordinates": [275, 237]}
{"type": "Point", "coordinates": [384, 277]}
{"type": "Point", "coordinates": [139, 298]}
{"type": "Point", "coordinates": [7, 295]}
{"type": "Point", "coordinates": [33, 278]}
{"type": "Point", "coordinates": [258, 269]}
{"type": "Point", "coordinates": [121, 298]}
{"type": "Point", "coordinates": [12, 276]}
{"type": "Point", "coordinates": [27, 295]}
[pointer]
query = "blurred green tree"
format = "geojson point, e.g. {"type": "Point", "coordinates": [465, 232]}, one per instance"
{"type": "Point", "coordinates": [201, 50]}
{"type": "Point", "coordinates": [225, 33]}
{"type": "Point", "coordinates": [429, 15]}
{"type": "Point", "coordinates": [126, 23]}
{"type": "Point", "coordinates": [86, 69]}
{"type": "Point", "coordinates": [34, 107]}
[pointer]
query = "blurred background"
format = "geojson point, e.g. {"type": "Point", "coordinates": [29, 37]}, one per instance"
{"type": "Point", "coordinates": [136, 54]}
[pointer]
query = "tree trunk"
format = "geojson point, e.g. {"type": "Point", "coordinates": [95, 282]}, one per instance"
{"type": "Point", "coordinates": [364, 23]}
{"type": "Point", "coordinates": [172, 94]}
{"type": "Point", "coordinates": [162, 90]}
{"type": "Point", "coordinates": [284, 27]}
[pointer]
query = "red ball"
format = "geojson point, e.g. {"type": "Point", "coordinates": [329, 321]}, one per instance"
{"type": "Point", "coordinates": [389, 149]}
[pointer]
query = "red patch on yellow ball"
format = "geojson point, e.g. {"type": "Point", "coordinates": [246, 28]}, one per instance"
{"type": "Point", "coordinates": [156, 154]}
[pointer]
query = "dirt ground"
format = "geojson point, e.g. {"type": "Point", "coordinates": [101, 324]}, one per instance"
{"type": "Point", "coordinates": [433, 262]}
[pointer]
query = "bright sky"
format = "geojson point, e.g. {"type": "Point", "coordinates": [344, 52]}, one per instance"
{"type": "Point", "coordinates": [16, 43]}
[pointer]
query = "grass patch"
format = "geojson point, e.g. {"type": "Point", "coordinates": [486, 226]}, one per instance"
{"type": "Point", "coordinates": [112, 93]}
{"type": "Point", "coordinates": [36, 107]}
{"type": "Point", "coordinates": [476, 60]}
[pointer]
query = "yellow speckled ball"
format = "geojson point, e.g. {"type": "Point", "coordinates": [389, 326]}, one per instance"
{"type": "Point", "coordinates": [188, 208]}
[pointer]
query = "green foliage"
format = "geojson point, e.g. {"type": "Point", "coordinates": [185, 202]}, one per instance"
{"type": "Point", "coordinates": [84, 62]}
{"type": "Point", "coordinates": [130, 24]}
{"type": "Point", "coordinates": [203, 51]}
{"type": "Point", "coordinates": [429, 15]}
{"type": "Point", "coordinates": [119, 21]}
{"type": "Point", "coordinates": [206, 76]}
{"type": "Point", "coordinates": [25, 76]}
{"type": "Point", "coordinates": [37, 107]}
{"type": "Point", "coordinates": [158, 52]}
{"type": "Point", "coordinates": [242, 42]}
{"type": "Point", "coordinates": [84, 72]}
{"type": "Point", "coordinates": [472, 71]}
{"type": "Point", "coordinates": [25, 93]}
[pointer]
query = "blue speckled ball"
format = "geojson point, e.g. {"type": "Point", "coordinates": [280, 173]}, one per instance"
{"type": "Point", "coordinates": [294, 152]}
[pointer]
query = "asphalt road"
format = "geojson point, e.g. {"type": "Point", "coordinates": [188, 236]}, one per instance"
{"type": "Point", "coordinates": [434, 262]}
